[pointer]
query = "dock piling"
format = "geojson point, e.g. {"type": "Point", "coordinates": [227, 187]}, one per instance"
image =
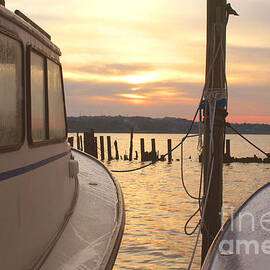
{"type": "Point", "coordinates": [116, 150]}
{"type": "Point", "coordinates": [102, 156]}
{"type": "Point", "coordinates": [109, 148]}
{"type": "Point", "coordinates": [142, 149]}
{"type": "Point", "coordinates": [131, 144]}
{"type": "Point", "coordinates": [169, 150]}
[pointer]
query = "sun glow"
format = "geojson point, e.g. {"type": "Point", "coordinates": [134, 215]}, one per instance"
{"type": "Point", "coordinates": [144, 78]}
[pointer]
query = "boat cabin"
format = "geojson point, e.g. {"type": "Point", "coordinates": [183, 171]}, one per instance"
{"type": "Point", "coordinates": [37, 183]}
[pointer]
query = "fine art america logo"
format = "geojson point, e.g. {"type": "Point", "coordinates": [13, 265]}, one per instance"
{"type": "Point", "coordinates": [249, 234]}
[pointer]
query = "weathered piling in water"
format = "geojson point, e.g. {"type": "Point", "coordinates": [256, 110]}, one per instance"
{"type": "Point", "coordinates": [109, 148]}
{"type": "Point", "coordinates": [116, 150]}
{"type": "Point", "coordinates": [131, 144]}
{"type": "Point", "coordinates": [78, 141]}
{"type": "Point", "coordinates": [142, 150]}
{"type": "Point", "coordinates": [90, 145]}
{"type": "Point", "coordinates": [70, 141]}
{"type": "Point", "coordinates": [81, 143]}
{"type": "Point", "coordinates": [102, 156]}
{"type": "Point", "coordinates": [153, 152]}
{"type": "Point", "coordinates": [95, 147]}
{"type": "Point", "coordinates": [228, 148]}
{"type": "Point", "coordinates": [86, 142]}
{"type": "Point", "coordinates": [136, 155]}
{"type": "Point", "coordinates": [169, 150]}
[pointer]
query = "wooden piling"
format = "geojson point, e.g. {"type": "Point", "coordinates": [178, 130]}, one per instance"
{"type": "Point", "coordinates": [215, 69]}
{"type": "Point", "coordinates": [90, 145]}
{"type": "Point", "coordinates": [116, 150]}
{"type": "Point", "coordinates": [136, 155]}
{"type": "Point", "coordinates": [169, 150]}
{"type": "Point", "coordinates": [86, 142]}
{"type": "Point", "coordinates": [153, 152]}
{"type": "Point", "coordinates": [228, 148]}
{"type": "Point", "coordinates": [142, 149]}
{"type": "Point", "coordinates": [71, 140]}
{"type": "Point", "coordinates": [131, 144]}
{"type": "Point", "coordinates": [95, 148]}
{"type": "Point", "coordinates": [102, 147]}
{"type": "Point", "coordinates": [78, 142]}
{"type": "Point", "coordinates": [109, 148]}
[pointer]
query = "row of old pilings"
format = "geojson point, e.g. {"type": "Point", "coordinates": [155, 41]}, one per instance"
{"type": "Point", "coordinates": [88, 143]}
{"type": "Point", "coordinates": [227, 158]}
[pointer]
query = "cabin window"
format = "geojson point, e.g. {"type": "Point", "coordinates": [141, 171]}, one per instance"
{"type": "Point", "coordinates": [48, 120]}
{"type": "Point", "coordinates": [38, 98]}
{"type": "Point", "coordinates": [11, 92]}
{"type": "Point", "coordinates": [57, 124]}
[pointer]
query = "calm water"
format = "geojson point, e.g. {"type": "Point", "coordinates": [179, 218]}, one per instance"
{"type": "Point", "coordinates": [157, 206]}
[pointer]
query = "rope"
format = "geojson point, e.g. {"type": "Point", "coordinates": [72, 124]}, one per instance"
{"type": "Point", "coordinates": [211, 101]}
{"type": "Point", "coordinates": [182, 175]}
{"type": "Point", "coordinates": [236, 131]}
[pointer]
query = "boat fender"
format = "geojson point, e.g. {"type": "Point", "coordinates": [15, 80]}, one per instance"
{"type": "Point", "coordinates": [73, 168]}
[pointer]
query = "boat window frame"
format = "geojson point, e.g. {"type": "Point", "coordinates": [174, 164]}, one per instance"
{"type": "Point", "coordinates": [30, 48]}
{"type": "Point", "coordinates": [17, 146]}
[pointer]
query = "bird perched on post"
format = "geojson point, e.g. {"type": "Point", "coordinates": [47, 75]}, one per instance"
{"type": "Point", "coordinates": [230, 10]}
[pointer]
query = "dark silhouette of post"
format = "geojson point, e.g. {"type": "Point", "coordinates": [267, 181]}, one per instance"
{"type": "Point", "coordinates": [136, 155]}
{"type": "Point", "coordinates": [90, 144]}
{"type": "Point", "coordinates": [131, 144]}
{"type": "Point", "coordinates": [142, 149]}
{"type": "Point", "coordinates": [95, 150]}
{"type": "Point", "coordinates": [109, 148]}
{"type": "Point", "coordinates": [86, 142]}
{"type": "Point", "coordinates": [228, 148]}
{"type": "Point", "coordinates": [169, 150]}
{"type": "Point", "coordinates": [116, 150]}
{"type": "Point", "coordinates": [81, 143]}
{"type": "Point", "coordinates": [215, 71]}
{"type": "Point", "coordinates": [102, 156]}
{"type": "Point", "coordinates": [153, 152]}
{"type": "Point", "coordinates": [78, 141]}
{"type": "Point", "coordinates": [71, 140]}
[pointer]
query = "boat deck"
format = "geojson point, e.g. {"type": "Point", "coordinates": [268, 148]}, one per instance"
{"type": "Point", "coordinates": [93, 235]}
{"type": "Point", "coordinates": [244, 244]}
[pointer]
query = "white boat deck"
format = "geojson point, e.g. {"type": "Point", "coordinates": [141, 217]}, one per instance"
{"type": "Point", "coordinates": [93, 234]}
{"type": "Point", "coordinates": [244, 244]}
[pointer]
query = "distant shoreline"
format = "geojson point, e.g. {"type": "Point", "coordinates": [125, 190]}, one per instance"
{"type": "Point", "coordinates": [148, 125]}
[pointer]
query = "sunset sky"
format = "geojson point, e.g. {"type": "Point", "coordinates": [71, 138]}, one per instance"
{"type": "Point", "coordinates": [147, 57]}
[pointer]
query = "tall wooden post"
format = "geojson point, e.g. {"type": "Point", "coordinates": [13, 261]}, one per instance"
{"type": "Point", "coordinates": [169, 150]}
{"type": "Point", "coordinates": [153, 152]}
{"type": "Point", "coordinates": [228, 148]}
{"type": "Point", "coordinates": [116, 150]}
{"type": "Point", "coordinates": [109, 148]}
{"type": "Point", "coordinates": [142, 150]}
{"type": "Point", "coordinates": [102, 148]}
{"type": "Point", "coordinates": [95, 148]}
{"type": "Point", "coordinates": [131, 144]}
{"type": "Point", "coordinates": [81, 143]}
{"type": "Point", "coordinates": [215, 70]}
{"type": "Point", "coordinates": [78, 141]}
{"type": "Point", "coordinates": [86, 142]}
